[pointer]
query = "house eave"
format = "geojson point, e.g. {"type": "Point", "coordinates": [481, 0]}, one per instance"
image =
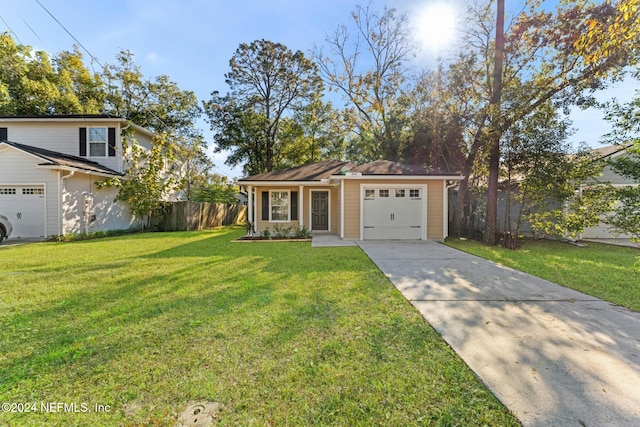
{"type": "Point", "coordinates": [81, 170]}
{"type": "Point", "coordinates": [323, 183]}
{"type": "Point", "coordinates": [398, 177]}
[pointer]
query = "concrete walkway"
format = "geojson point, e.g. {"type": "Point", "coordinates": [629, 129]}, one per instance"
{"type": "Point", "coordinates": [553, 356]}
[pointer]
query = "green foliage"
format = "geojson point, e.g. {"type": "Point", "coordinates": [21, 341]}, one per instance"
{"type": "Point", "coordinates": [33, 83]}
{"type": "Point", "coordinates": [303, 232]}
{"type": "Point", "coordinates": [268, 82]}
{"type": "Point", "coordinates": [146, 182]}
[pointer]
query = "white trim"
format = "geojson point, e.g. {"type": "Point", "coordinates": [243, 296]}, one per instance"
{"type": "Point", "coordinates": [272, 221]}
{"type": "Point", "coordinates": [423, 187]}
{"type": "Point", "coordinates": [250, 204]}
{"type": "Point", "coordinates": [328, 210]}
{"type": "Point", "coordinates": [445, 208]}
{"type": "Point", "coordinates": [300, 206]}
{"type": "Point", "coordinates": [399, 177]}
{"type": "Point", "coordinates": [342, 209]}
{"type": "Point", "coordinates": [323, 183]}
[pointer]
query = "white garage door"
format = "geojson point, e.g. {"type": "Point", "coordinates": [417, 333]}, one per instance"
{"type": "Point", "coordinates": [24, 206]}
{"type": "Point", "coordinates": [393, 212]}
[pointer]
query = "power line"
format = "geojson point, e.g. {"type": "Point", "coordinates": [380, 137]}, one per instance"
{"type": "Point", "coordinates": [12, 32]}
{"type": "Point", "coordinates": [72, 36]}
{"type": "Point", "coordinates": [32, 30]}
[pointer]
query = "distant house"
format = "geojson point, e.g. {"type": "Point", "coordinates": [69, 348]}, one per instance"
{"type": "Point", "coordinates": [48, 169]}
{"type": "Point", "coordinates": [611, 152]}
{"type": "Point", "coordinates": [377, 200]}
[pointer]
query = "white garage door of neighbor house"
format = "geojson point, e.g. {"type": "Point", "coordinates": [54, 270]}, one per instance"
{"type": "Point", "coordinates": [24, 207]}
{"type": "Point", "coordinates": [393, 212]}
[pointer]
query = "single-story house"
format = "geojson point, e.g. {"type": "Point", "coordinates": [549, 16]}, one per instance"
{"type": "Point", "coordinates": [49, 166]}
{"type": "Point", "coordinates": [376, 200]}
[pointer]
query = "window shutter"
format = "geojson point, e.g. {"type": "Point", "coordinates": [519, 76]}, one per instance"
{"type": "Point", "coordinates": [4, 134]}
{"type": "Point", "coordinates": [265, 206]}
{"type": "Point", "coordinates": [294, 206]}
{"type": "Point", "coordinates": [111, 140]}
{"type": "Point", "coordinates": [83, 142]}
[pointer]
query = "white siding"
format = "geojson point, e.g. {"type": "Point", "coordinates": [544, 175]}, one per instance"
{"type": "Point", "coordinates": [17, 167]}
{"type": "Point", "coordinates": [83, 199]}
{"type": "Point", "coordinates": [63, 136]}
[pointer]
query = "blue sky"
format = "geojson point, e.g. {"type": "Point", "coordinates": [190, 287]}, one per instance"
{"type": "Point", "coordinates": [192, 41]}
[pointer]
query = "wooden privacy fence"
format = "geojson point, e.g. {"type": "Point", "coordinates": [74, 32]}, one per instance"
{"type": "Point", "coordinates": [184, 216]}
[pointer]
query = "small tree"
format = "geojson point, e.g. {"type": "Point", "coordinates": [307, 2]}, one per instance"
{"type": "Point", "coordinates": [146, 182]}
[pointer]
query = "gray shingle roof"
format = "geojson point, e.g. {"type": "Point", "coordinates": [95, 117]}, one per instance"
{"type": "Point", "coordinates": [327, 168]}
{"type": "Point", "coordinates": [310, 172]}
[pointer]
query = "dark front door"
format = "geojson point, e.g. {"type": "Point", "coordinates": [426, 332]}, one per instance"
{"type": "Point", "coordinates": [320, 210]}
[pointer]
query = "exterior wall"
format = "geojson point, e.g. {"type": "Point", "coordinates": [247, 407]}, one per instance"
{"type": "Point", "coordinates": [434, 208]}
{"type": "Point", "coordinates": [261, 224]}
{"type": "Point", "coordinates": [305, 200]}
{"type": "Point", "coordinates": [82, 199]}
{"type": "Point", "coordinates": [17, 167]}
{"type": "Point", "coordinates": [62, 136]}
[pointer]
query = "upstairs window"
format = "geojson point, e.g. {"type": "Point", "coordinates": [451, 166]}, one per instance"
{"type": "Point", "coordinates": [97, 142]}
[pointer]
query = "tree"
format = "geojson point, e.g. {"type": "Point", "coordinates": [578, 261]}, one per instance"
{"type": "Point", "coordinates": [268, 82]}
{"type": "Point", "coordinates": [563, 56]}
{"type": "Point", "coordinates": [146, 182]}
{"type": "Point", "coordinates": [542, 174]}
{"type": "Point", "coordinates": [33, 83]}
{"type": "Point", "coordinates": [625, 216]}
{"type": "Point", "coordinates": [366, 64]}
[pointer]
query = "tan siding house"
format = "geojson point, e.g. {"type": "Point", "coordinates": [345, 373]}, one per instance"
{"type": "Point", "coordinates": [377, 200]}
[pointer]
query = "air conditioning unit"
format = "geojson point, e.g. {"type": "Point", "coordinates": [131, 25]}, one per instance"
{"type": "Point", "coordinates": [353, 174]}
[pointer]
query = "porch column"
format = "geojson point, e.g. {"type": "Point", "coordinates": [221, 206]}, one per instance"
{"type": "Point", "coordinates": [342, 208]}
{"type": "Point", "coordinates": [301, 206]}
{"type": "Point", "coordinates": [250, 203]}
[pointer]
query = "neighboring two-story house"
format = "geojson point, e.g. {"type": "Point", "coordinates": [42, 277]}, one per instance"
{"type": "Point", "coordinates": [48, 169]}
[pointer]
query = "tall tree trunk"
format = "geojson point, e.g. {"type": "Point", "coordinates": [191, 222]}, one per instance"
{"type": "Point", "coordinates": [495, 134]}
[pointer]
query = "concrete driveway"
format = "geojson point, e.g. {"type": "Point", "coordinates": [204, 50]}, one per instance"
{"type": "Point", "coordinates": [14, 241]}
{"type": "Point", "coordinates": [553, 356]}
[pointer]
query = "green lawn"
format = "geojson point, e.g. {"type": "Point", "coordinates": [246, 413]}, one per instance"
{"type": "Point", "coordinates": [605, 271]}
{"type": "Point", "coordinates": [280, 333]}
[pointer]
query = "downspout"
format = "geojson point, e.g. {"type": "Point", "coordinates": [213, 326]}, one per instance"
{"type": "Point", "coordinates": [445, 220]}
{"type": "Point", "coordinates": [61, 199]}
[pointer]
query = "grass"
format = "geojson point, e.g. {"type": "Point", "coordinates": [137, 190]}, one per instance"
{"type": "Point", "coordinates": [609, 272]}
{"type": "Point", "coordinates": [280, 333]}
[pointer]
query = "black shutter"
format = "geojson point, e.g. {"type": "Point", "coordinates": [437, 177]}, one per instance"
{"type": "Point", "coordinates": [294, 205]}
{"type": "Point", "coordinates": [83, 142]}
{"type": "Point", "coordinates": [111, 139]}
{"type": "Point", "coordinates": [4, 134]}
{"type": "Point", "coordinates": [265, 206]}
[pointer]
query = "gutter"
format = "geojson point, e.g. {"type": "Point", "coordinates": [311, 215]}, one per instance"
{"type": "Point", "coordinates": [60, 199]}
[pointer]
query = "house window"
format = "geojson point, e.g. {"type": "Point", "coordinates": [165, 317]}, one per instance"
{"type": "Point", "coordinates": [384, 193]}
{"type": "Point", "coordinates": [399, 193]}
{"type": "Point", "coordinates": [279, 206]}
{"type": "Point", "coordinates": [369, 194]}
{"type": "Point", "coordinates": [414, 194]}
{"type": "Point", "coordinates": [97, 142]}
{"type": "Point", "coordinates": [33, 191]}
